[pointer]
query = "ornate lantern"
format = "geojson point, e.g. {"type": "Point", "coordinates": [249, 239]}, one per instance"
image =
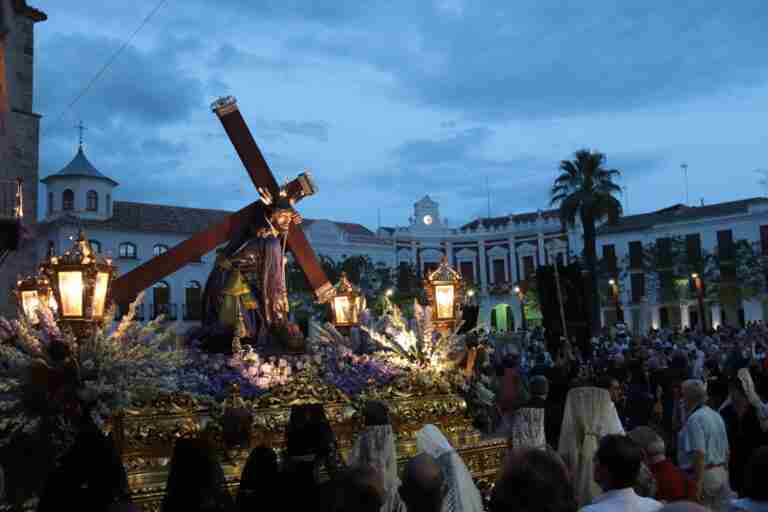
{"type": "Point", "coordinates": [445, 292]}
{"type": "Point", "coordinates": [348, 302]}
{"type": "Point", "coordinates": [81, 283]}
{"type": "Point", "coordinates": [31, 293]}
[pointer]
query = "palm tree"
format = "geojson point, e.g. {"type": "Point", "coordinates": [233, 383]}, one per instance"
{"type": "Point", "coordinates": [585, 189]}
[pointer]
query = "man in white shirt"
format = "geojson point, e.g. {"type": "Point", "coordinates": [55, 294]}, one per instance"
{"type": "Point", "coordinates": [617, 464]}
{"type": "Point", "coordinates": [703, 449]}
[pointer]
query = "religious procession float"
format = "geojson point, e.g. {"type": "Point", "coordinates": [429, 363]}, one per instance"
{"type": "Point", "coordinates": [235, 379]}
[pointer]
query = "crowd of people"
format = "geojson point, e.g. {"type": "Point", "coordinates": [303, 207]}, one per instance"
{"type": "Point", "coordinates": [668, 421]}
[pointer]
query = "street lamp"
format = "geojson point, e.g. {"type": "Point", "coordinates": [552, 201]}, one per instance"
{"type": "Point", "coordinates": [81, 283]}
{"type": "Point", "coordinates": [521, 299]}
{"type": "Point", "coordinates": [31, 294]}
{"type": "Point", "coordinates": [444, 287]}
{"type": "Point", "coordinates": [617, 303]}
{"type": "Point", "coordinates": [697, 281]}
{"type": "Point", "coordinates": [347, 303]}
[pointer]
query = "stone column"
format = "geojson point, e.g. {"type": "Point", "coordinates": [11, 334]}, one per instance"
{"type": "Point", "coordinates": [541, 250]}
{"type": "Point", "coordinates": [717, 315]}
{"type": "Point", "coordinates": [482, 266]}
{"type": "Point", "coordinates": [512, 258]}
{"type": "Point", "coordinates": [449, 252]}
{"type": "Point", "coordinates": [685, 315]}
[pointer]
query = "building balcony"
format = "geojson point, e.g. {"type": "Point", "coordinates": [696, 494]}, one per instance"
{"type": "Point", "coordinates": [193, 312]}
{"type": "Point", "coordinates": [167, 310]}
{"type": "Point", "coordinates": [502, 288]}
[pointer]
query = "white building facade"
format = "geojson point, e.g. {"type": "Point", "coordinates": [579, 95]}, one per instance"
{"type": "Point", "coordinates": [493, 254]}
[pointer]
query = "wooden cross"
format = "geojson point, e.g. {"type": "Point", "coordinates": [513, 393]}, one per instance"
{"type": "Point", "coordinates": [128, 286]}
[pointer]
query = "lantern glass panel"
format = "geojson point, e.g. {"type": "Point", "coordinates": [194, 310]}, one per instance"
{"type": "Point", "coordinates": [30, 302]}
{"type": "Point", "coordinates": [52, 302]}
{"type": "Point", "coordinates": [344, 310]}
{"type": "Point", "coordinates": [100, 293]}
{"type": "Point", "coordinates": [71, 289]}
{"type": "Point", "coordinates": [444, 298]}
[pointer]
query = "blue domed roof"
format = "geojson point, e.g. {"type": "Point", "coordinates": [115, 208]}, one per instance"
{"type": "Point", "coordinates": [79, 167]}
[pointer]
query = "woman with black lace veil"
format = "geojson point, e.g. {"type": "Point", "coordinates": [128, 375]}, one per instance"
{"type": "Point", "coordinates": [260, 479]}
{"type": "Point", "coordinates": [310, 447]}
{"type": "Point", "coordinates": [90, 475]}
{"type": "Point", "coordinates": [196, 481]}
{"type": "Point", "coordinates": [375, 447]}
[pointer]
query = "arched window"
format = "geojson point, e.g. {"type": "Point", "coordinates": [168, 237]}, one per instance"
{"type": "Point", "coordinates": [128, 250]}
{"type": "Point", "coordinates": [161, 295]}
{"type": "Point", "coordinates": [50, 203]}
{"type": "Point", "coordinates": [95, 246]}
{"type": "Point", "coordinates": [68, 200]}
{"type": "Point", "coordinates": [159, 249]}
{"type": "Point", "coordinates": [193, 306]}
{"type": "Point", "coordinates": [92, 201]}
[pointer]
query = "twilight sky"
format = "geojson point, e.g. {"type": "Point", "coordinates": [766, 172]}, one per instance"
{"type": "Point", "coordinates": [385, 101]}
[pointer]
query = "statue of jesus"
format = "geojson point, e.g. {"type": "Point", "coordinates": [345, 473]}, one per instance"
{"type": "Point", "coordinates": [248, 280]}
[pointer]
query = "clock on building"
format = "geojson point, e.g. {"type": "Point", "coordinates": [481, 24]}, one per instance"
{"type": "Point", "coordinates": [427, 220]}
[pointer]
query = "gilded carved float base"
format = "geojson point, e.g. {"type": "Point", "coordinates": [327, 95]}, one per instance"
{"type": "Point", "coordinates": [146, 437]}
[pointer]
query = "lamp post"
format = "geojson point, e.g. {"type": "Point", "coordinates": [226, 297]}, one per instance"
{"type": "Point", "coordinates": [81, 282]}
{"type": "Point", "coordinates": [445, 290]}
{"type": "Point", "coordinates": [347, 303]}
{"type": "Point", "coordinates": [617, 303]}
{"type": "Point", "coordinates": [697, 281]}
{"type": "Point", "coordinates": [521, 299]}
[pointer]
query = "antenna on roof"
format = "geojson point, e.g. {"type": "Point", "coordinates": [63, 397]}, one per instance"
{"type": "Point", "coordinates": [684, 167]}
{"type": "Point", "coordinates": [378, 218]}
{"type": "Point", "coordinates": [488, 189]}
{"type": "Point", "coordinates": [763, 182]}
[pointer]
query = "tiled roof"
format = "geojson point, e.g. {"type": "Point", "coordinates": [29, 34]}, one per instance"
{"type": "Point", "coordinates": [680, 213]}
{"type": "Point", "coordinates": [492, 222]}
{"type": "Point", "coordinates": [153, 218]}
{"type": "Point", "coordinates": [347, 227]}
{"type": "Point", "coordinates": [160, 218]}
{"type": "Point", "coordinates": [80, 166]}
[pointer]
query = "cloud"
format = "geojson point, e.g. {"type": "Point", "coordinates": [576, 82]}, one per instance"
{"type": "Point", "coordinates": [529, 59]}
{"type": "Point", "coordinates": [389, 101]}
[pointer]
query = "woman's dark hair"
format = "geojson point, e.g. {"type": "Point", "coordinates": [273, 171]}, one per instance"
{"type": "Point", "coordinates": [734, 383]}
{"type": "Point", "coordinates": [91, 476]}
{"type": "Point", "coordinates": [622, 458]}
{"type": "Point", "coordinates": [534, 480]}
{"type": "Point", "coordinates": [375, 414]}
{"type": "Point", "coordinates": [309, 432]}
{"type": "Point", "coordinates": [754, 476]}
{"type": "Point", "coordinates": [195, 480]}
{"type": "Point", "coordinates": [259, 481]}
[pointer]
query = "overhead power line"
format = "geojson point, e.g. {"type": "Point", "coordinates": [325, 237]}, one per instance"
{"type": "Point", "coordinates": [107, 64]}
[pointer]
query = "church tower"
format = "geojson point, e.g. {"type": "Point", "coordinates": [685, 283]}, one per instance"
{"type": "Point", "coordinates": [80, 190]}
{"type": "Point", "coordinates": [426, 214]}
{"type": "Point", "coordinates": [24, 136]}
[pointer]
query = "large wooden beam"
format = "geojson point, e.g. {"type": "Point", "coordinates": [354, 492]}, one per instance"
{"type": "Point", "coordinates": [127, 287]}
{"type": "Point", "coordinates": [261, 176]}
